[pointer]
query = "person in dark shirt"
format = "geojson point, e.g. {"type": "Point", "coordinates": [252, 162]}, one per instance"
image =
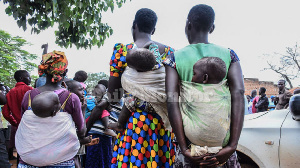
{"type": "Point", "coordinates": [263, 101]}
{"type": "Point", "coordinates": [3, 132]}
{"type": "Point", "coordinates": [282, 99]}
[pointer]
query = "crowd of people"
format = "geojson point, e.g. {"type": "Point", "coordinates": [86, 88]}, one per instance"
{"type": "Point", "coordinates": [261, 103]}
{"type": "Point", "coordinates": [159, 108]}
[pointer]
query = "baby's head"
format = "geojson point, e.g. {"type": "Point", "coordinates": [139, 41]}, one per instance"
{"type": "Point", "coordinates": [99, 91]}
{"type": "Point", "coordinates": [141, 59]}
{"type": "Point", "coordinates": [45, 104]}
{"type": "Point", "coordinates": [76, 88]}
{"type": "Point", "coordinates": [80, 76]}
{"type": "Point", "coordinates": [209, 70]}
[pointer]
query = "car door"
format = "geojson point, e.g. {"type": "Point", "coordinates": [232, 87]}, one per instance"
{"type": "Point", "coordinates": [289, 147]}
{"type": "Point", "coordinates": [260, 137]}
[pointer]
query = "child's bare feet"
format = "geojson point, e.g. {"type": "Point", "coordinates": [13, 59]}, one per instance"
{"type": "Point", "coordinates": [110, 132]}
{"type": "Point", "coordinates": [115, 126]}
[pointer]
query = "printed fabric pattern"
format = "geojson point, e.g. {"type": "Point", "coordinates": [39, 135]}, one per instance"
{"type": "Point", "coordinates": [118, 60]}
{"type": "Point", "coordinates": [144, 143]}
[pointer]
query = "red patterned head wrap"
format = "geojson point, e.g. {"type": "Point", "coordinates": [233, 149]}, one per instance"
{"type": "Point", "coordinates": [54, 63]}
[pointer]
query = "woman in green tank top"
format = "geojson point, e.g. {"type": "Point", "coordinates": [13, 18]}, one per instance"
{"type": "Point", "coordinates": [179, 72]}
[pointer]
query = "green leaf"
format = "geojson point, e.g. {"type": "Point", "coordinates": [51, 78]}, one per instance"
{"type": "Point", "coordinates": [8, 10]}
{"type": "Point", "coordinates": [79, 20]}
{"type": "Point", "coordinates": [66, 25]}
{"type": "Point", "coordinates": [13, 57]}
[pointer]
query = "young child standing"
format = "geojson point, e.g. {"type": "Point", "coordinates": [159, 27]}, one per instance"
{"type": "Point", "coordinates": [77, 88]}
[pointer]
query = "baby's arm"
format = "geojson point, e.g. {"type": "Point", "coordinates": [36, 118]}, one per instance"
{"type": "Point", "coordinates": [96, 114]}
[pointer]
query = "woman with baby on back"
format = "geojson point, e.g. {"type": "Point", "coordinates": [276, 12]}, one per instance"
{"type": "Point", "coordinates": [207, 117]}
{"type": "Point", "coordinates": [56, 142]}
{"type": "Point", "coordinates": [146, 138]}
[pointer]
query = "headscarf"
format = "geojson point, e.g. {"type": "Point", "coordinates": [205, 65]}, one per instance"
{"type": "Point", "coordinates": [54, 63]}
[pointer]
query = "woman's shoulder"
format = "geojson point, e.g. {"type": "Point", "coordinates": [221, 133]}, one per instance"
{"type": "Point", "coordinates": [65, 94]}
{"type": "Point", "coordinates": [163, 47]}
{"type": "Point", "coordinates": [118, 58]}
{"type": "Point", "coordinates": [32, 93]}
{"type": "Point", "coordinates": [165, 50]}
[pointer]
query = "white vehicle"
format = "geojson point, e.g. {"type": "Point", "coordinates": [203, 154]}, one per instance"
{"type": "Point", "coordinates": [270, 139]}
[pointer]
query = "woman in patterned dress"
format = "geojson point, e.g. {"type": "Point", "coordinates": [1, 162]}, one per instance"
{"type": "Point", "coordinates": [145, 142]}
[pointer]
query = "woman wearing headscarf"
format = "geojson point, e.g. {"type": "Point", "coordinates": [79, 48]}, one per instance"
{"type": "Point", "coordinates": [147, 138]}
{"type": "Point", "coordinates": [51, 141]}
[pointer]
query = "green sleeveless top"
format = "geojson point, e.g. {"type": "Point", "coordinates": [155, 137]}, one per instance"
{"type": "Point", "coordinates": [186, 58]}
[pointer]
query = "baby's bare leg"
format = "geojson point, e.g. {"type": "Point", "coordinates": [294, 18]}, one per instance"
{"type": "Point", "coordinates": [123, 118]}
{"type": "Point", "coordinates": [105, 121]}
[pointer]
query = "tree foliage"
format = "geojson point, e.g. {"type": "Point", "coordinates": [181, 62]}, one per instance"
{"type": "Point", "coordinates": [79, 21]}
{"type": "Point", "coordinates": [287, 65]}
{"type": "Point", "coordinates": [93, 79]}
{"type": "Point", "coordinates": [13, 57]}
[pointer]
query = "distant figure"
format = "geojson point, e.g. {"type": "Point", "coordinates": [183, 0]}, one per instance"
{"type": "Point", "coordinates": [282, 100]}
{"type": "Point", "coordinates": [249, 105]}
{"type": "Point", "coordinates": [81, 77]}
{"type": "Point", "coordinates": [12, 109]}
{"type": "Point", "coordinates": [254, 100]}
{"type": "Point", "coordinates": [271, 103]}
{"type": "Point", "coordinates": [263, 101]}
{"type": "Point", "coordinates": [3, 131]}
{"type": "Point", "coordinates": [42, 77]}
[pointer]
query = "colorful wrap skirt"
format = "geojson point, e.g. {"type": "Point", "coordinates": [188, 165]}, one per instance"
{"type": "Point", "coordinates": [144, 143]}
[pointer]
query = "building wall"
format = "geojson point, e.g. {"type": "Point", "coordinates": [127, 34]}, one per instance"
{"type": "Point", "coordinates": [254, 83]}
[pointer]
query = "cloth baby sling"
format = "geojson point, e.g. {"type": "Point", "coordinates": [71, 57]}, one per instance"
{"type": "Point", "coordinates": [205, 108]}
{"type": "Point", "coordinates": [46, 141]}
{"type": "Point", "coordinates": [149, 86]}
